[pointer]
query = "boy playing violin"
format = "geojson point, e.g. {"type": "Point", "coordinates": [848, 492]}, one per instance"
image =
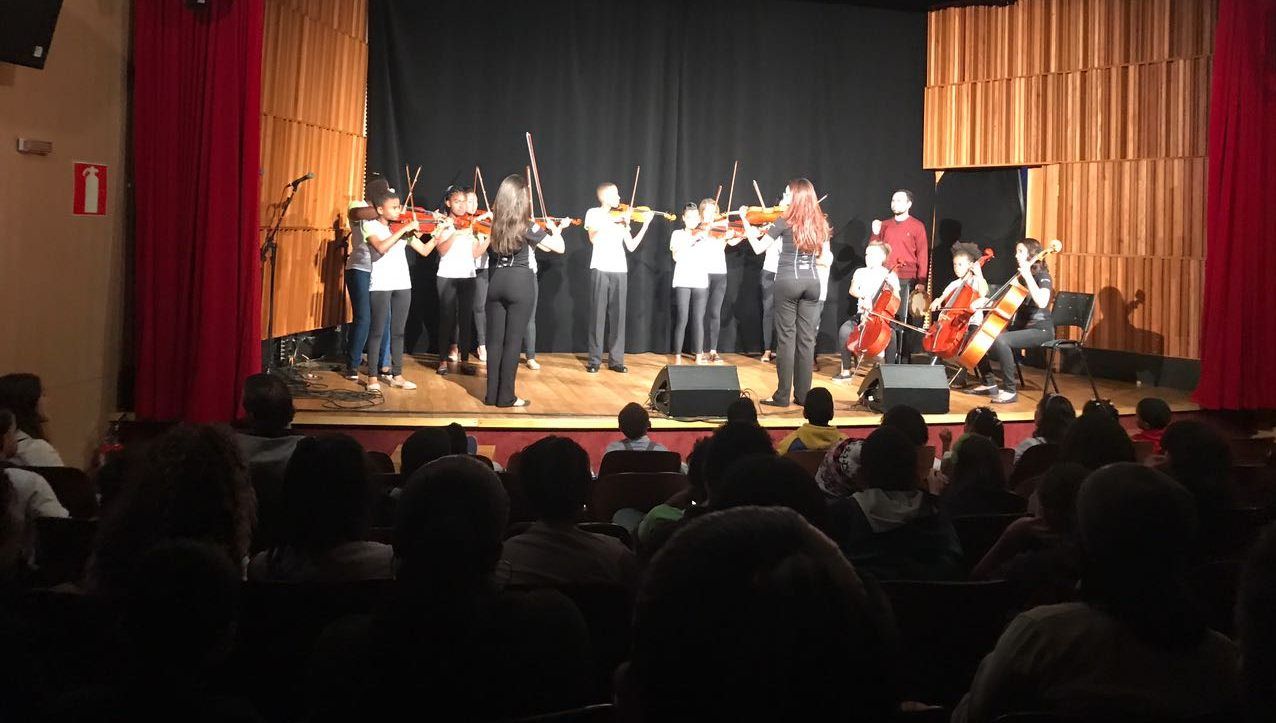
{"type": "Point", "coordinates": [610, 234]}
{"type": "Point", "coordinates": [865, 283]}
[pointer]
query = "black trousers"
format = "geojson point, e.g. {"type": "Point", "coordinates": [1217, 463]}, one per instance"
{"type": "Point", "coordinates": [456, 322]}
{"type": "Point", "coordinates": [797, 304]}
{"type": "Point", "coordinates": [529, 339]}
{"type": "Point", "coordinates": [608, 290]}
{"type": "Point", "coordinates": [713, 309]}
{"type": "Point", "coordinates": [1002, 351]}
{"type": "Point", "coordinates": [905, 340]}
{"type": "Point", "coordinates": [394, 306]}
{"type": "Point", "coordinates": [844, 335]}
{"type": "Point", "coordinates": [480, 307]}
{"type": "Point", "coordinates": [690, 304]}
{"type": "Point", "coordinates": [768, 311]}
{"type": "Point", "coordinates": [510, 296]}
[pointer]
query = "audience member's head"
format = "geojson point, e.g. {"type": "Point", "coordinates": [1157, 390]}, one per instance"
{"type": "Point", "coordinates": [984, 422]}
{"type": "Point", "coordinates": [555, 476]}
{"type": "Point", "coordinates": [189, 483]}
{"type": "Point", "coordinates": [1100, 406]}
{"type": "Point", "coordinates": [771, 623]}
{"type": "Point", "coordinates": [1256, 627]}
{"type": "Point", "coordinates": [21, 394]}
{"type": "Point", "coordinates": [1054, 415]}
{"type": "Point", "coordinates": [1136, 527]}
{"type": "Point", "coordinates": [450, 524]}
{"type": "Point", "coordinates": [327, 495]}
{"type": "Point", "coordinates": [743, 411]}
{"type": "Point", "coordinates": [8, 434]}
{"type": "Point", "coordinates": [1057, 496]}
{"type": "Point", "coordinates": [887, 461]}
{"type": "Point", "coordinates": [696, 460]}
{"type": "Point", "coordinates": [268, 404]}
{"type": "Point", "coordinates": [458, 440]}
{"type": "Point", "coordinates": [818, 408]}
{"type": "Point", "coordinates": [909, 421]}
{"type": "Point", "coordinates": [765, 480]}
{"type": "Point", "coordinates": [1153, 413]}
{"type": "Point", "coordinates": [1096, 439]}
{"type": "Point", "coordinates": [181, 608]}
{"type": "Point", "coordinates": [977, 464]}
{"type": "Point", "coordinates": [423, 447]}
{"type": "Point", "coordinates": [633, 421]}
{"type": "Point", "coordinates": [1199, 457]}
{"type": "Point", "coordinates": [839, 471]}
{"type": "Point", "coordinates": [729, 443]}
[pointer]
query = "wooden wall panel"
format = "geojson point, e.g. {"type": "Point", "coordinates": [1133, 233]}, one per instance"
{"type": "Point", "coordinates": [1109, 99]}
{"type": "Point", "coordinates": [314, 84]}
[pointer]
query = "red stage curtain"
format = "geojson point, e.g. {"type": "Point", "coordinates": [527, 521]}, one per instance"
{"type": "Point", "coordinates": [1239, 337]}
{"type": "Point", "coordinates": [196, 146]}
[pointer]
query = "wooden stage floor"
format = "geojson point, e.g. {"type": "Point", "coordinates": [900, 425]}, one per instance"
{"type": "Point", "coordinates": [565, 396]}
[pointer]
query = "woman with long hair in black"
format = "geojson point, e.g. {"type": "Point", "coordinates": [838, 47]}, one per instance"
{"type": "Point", "coordinates": [511, 284]}
{"type": "Point", "coordinates": [803, 233]}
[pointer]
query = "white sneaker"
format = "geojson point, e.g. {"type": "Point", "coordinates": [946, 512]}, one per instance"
{"type": "Point", "coordinates": [533, 364]}
{"type": "Point", "coordinates": [983, 390]}
{"type": "Point", "coordinates": [400, 383]}
{"type": "Point", "coordinates": [1004, 397]}
{"type": "Point", "coordinates": [373, 385]}
{"type": "Point", "coordinates": [482, 353]}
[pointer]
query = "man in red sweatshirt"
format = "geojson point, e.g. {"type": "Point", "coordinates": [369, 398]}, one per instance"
{"type": "Point", "coordinates": [910, 249]}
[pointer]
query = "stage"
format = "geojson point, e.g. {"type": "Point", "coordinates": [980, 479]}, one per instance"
{"type": "Point", "coordinates": [566, 397]}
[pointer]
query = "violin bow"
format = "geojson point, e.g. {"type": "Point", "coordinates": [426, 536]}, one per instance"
{"type": "Point", "coordinates": [717, 195]}
{"type": "Point", "coordinates": [536, 174]}
{"type": "Point", "coordinates": [478, 175]}
{"type": "Point", "coordinates": [758, 191]}
{"type": "Point", "coordinates": [731, 193]}
{"type": "Point", "coordinates": [531, 200]}
{"type": "Point", "coordinates": [634, 194]}
{"type": "Point", "coordinates": [411, 179]}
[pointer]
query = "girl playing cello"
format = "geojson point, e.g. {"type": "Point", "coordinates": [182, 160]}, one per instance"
{"type": "Point", "coordinates": [865, 283]}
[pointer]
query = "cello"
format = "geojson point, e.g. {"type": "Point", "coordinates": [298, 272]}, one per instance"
{"type": "Point", "coordinates": [874, 332]}
{"type": "Point", "coordinates": [945, 336]}
{"type": "Point", "coordinates": [1009, 297]}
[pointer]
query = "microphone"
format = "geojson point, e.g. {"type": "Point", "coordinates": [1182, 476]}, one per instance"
{"type": "Point", "coordinates": [303, 179]}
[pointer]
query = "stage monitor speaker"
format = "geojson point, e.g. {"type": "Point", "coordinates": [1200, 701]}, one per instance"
{"type": "Point", "coordinates": [27, 30]}
{"type": "Point", "coordinates": [923, 387]}
{"type": "Point", "coordinates": [695, 391]}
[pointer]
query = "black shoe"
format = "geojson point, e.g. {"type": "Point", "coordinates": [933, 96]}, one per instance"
{"type": "Point", "coordinates": [350, 373]}
{"type": "Point", "coordinates": [592, 368]}
{"type": "Point", "coordinates": [443, 370]}
{"type": "Point", "coordinates": [773, 403]}
{"type": "Point", "coordinates": [468, 369]}
{"type": "Point", "coordinates": [619, 368]}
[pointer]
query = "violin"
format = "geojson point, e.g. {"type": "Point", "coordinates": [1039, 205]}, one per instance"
{"type": "Point", "coordinates": [468, 220]}
{"type": "Point", "coordinates": [1009, 297]}
{"type": "Point", "coordinates": [722, 231]}
{"type": "Point", "coordinates": [944, 338]}
{"type": "Point", "coordinates": [543, 221]}
{"type": "Point", "coordinates": [759, 215]}
{"type": "Point", "coordinates": [426, 220]}
{"type": "Point", "coordinates": [638, 214]}
{"type": "Point", "coordinates": [874, 332]}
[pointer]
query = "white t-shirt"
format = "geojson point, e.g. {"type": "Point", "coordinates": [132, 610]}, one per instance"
{"type": "Point", "coordinates": [360, 258]}
{"type": "Point", "coordinates": [771, 258]}
{"type": "Point", "coordinates": [458, 262]}
{"type": "Point", "coordinates": [609, 242]}
{"type": "Point", "coordinates": [34, 452]}
{"type": "Point", "coordinates": [715, 254]}
{"type": "Point", "coordinates": [389, 270]}
{"type": "Point", "coordinates": [32, 498]}
{"type": "Point", "coordinates": [689, 271]}
{"type": "Point", "coordinates": [871, 280]}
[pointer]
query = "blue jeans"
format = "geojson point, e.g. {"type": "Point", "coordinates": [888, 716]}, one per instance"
{"type": "Point", "coordinates": [357, 283]}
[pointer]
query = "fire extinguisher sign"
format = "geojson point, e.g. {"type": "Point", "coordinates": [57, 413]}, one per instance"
{"type": "Point", "coordinates": [90, 189]}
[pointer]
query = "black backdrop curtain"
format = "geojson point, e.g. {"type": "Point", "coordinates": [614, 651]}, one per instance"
{"type": "Point", "coordinates": [827, 91]}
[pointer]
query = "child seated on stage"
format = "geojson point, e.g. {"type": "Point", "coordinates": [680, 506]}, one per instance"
{"type": "Point", "coordinates": [1153, 417]}
{"type": "Point", "coordinates": [866, 282]}
{"type": "Point", "coordinates": [967, 271]}
{"type": "Point", "coordinates": [816, 433]}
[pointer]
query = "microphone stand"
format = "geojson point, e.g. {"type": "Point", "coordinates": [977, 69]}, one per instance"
{"type": "Point", "coordinates": [270, 249]}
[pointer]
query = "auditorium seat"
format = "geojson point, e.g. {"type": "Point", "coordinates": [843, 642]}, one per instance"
{"type": "Point", "coordinates": [1253, 485]}
{"type": "Point", "coordinates": [608, 612]}
{"type": "Point", "coordinates": [978, 533]}
{"type": "Point", "coordinates": [1251, 450]}
{"type": "Point", "coordinates": [637, 490]}
{"type": "Point", "coordinates": [946, 628]}
{"type": "Point", "coordinates": [628, 460]}
{"type": "Point", "coordinates": [62, 547]}
{"type": "Point", "coordinates": [807, 459]}
{"type": "Point", "coordinates": [73, 487]}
